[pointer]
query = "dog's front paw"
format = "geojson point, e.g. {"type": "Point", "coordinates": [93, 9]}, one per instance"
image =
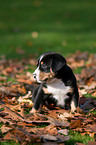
{"type": "Point", "coordinates": [33, 111]}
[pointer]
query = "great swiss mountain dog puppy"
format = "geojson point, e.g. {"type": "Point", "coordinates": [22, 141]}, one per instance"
{"type": "Point", "coordinates": [57, 83]}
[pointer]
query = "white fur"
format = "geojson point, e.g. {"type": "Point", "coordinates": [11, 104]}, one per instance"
{"type": "Point", "coordinates": [73, 107]}
{"type": "Point", "coordinates": [36, 74]}
{"type": "Point", "coordinates": [59, 91]}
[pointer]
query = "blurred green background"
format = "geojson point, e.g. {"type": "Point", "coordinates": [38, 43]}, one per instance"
{"type": "Point", "coordinates": [36, 26]}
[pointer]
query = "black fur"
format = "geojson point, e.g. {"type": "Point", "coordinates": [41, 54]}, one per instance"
{"type": "Point", "coordinates": [58, 65]}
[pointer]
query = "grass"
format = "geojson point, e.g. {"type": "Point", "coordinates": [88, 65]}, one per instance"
{"type": "Point", "coordinates": [11, 142]}
{"type": "Point", "coordinates": [77, 137]}
{"type": "Point", "coordinates": [63, 26]}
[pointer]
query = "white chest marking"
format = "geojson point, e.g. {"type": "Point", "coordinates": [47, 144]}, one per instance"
{"type": "Point", "coordinates": [59, 91]}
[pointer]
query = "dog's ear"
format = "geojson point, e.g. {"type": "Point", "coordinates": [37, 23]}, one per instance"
{"type": "Point", "coordinates": [58, 61]}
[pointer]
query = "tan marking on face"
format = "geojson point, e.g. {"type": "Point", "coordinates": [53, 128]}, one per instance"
{"type": "Point", "coordinates": [51, 70]}
{"type": "Point", "coordinates": [43, 76]}
{"type": "Point", "coordinates": [42, 62]}
{"type": "Point", "coordinates": [45, 90]}
{"type": "Point", "coordinates": [70, 90]}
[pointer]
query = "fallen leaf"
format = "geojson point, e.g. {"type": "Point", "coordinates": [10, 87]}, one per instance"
{"type": "Point", "coordinates": [91, 143]}
{"type": "Point", "coordinates": [18, 88]}
{"type": "Point", "coordinates": [94, 94]}
{"type": "Point", "coordinates": [3, 79]}
{"type": "Point", "coordinates": [58, 123]}
{"type": "Point", "coordinates": [75, 64]}
{"type": "Point", "coordinates": [77, 143]}
{"type": "Point", "coordinates": [28, 102]}
{"type": "Point", "coordinates": [5, 129]}
{"type": "Point", "coordinates": [9, 136]}
{"type": "Point", "coordinates": [13, 115]}
{"type": "Point", "coordinates": [91, 128]}
{"type": "Point", "coordinates": [76, 123]}
{"type": "Point", "coordinates": [5, 121]}
{"type": "Point", "coordinates": [63, 131]}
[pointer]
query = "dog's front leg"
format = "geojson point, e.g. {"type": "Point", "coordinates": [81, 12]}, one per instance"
{"type": "Point", "coordinates": [38, 99]}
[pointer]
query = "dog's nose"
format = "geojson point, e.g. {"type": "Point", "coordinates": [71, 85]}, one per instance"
{"type": "Point", "coordinates": [34, 75]}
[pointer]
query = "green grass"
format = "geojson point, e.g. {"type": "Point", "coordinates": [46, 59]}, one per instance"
{"type": "Point", "coordinates": [77, 137]}
{"type": "Point", "coordinates": [63, 26]}
{"type": "Point", "coordinates": [11, 142]}
{"type": "Point", "coordinates": [77, 70]}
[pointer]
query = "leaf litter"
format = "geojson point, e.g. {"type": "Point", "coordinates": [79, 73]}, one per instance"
{"type": "Point", "coordinates": [16, 87]}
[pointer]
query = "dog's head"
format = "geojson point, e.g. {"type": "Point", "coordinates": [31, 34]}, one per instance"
{"type": "Point", "coordinates": [47, 66]}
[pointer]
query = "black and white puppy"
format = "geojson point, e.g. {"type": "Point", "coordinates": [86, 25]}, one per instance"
{"type": "Point", "coordinates": [57, 83]}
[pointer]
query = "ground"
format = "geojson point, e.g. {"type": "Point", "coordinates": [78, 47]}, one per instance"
{"type": "Point", "coordinates": [16, 87]}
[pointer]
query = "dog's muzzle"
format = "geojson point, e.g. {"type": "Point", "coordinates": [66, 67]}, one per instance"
{"type": "Point", "coordinates": [34, 76]}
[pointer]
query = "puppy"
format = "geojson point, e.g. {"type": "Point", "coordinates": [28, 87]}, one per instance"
{"type": "Point", "coordinates": [57, 83]}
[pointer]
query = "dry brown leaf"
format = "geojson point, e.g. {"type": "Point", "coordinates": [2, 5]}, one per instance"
{"type": "Point", "coordinates": [5, 121]}
{"type": "Point", "coordinates": [58, 123]}
{"type": "Point", "coordinates": [91, 134]}
{"type": "Point", "coordinates": [9, 136]}
{"type": "Point", "coordinates": [94, 94]}
{"type": "Point", "coordinates": [3, 79]}
{"type": "Point", "coordinates": [14, 107]}
{"type": "Point", "coordinates": [91, 128]}
{"type": "Point", "coordinates": [76, 64]}
{"type": "Point", "coordinates": [50, 129]}
{"type": "Point", "coordinates": [5, 129]}
{"type": "Point", "coordinates": [24, 81]}
{"type": "Point", "coordinates": [82, 91]}
{"type": "Point", "coordinates": [18, 88]}
{"type": "Point", "coordinates": [12, 114]}
{"type": "Point", "coordinates": [91, 143]}
{"type": "Point", "coordinates": [77, 143]}
{"type": "Point", "coordinates": [28, 102]}
{"type": "Point", "coordinates": [76, 124]}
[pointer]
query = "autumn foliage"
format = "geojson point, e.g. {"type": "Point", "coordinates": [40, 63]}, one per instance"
{"type": "Point", "coordinates": [16, 86]}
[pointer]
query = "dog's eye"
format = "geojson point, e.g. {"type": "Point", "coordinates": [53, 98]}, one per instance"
{"type": "Point", "coordinates": [43, 65]}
